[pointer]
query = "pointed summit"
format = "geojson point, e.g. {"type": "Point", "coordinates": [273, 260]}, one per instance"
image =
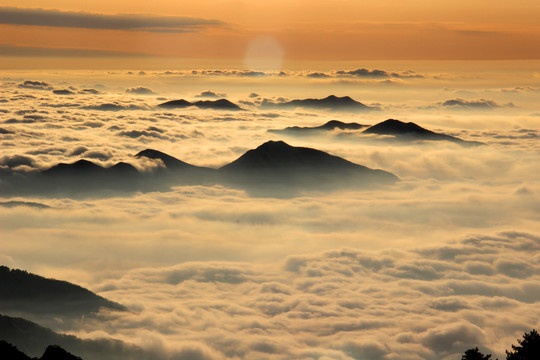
{"type": "Point", "coordinates": [277, 163]}
{"type": "Point", "coordinates": [397, 127]}
{"type": "Point", "coordinates": [222, 104]}
{"type": "Point", "coordinates": [329, 126]}
{"type": "Point", "coordinates": [170, 162]}
{"type": "Point", "coordinates": [175, 104]}
{"type": "Point", "coordinates": [330, 102]}
{"type": "Point", "coordinates": [411, 131]}
{"type": "Point", "coordinates": [216, 104]}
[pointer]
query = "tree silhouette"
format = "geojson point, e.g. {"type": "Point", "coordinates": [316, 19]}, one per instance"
{"type": "Point", "coordinates": [528, 348]}
{"type": "Point", "coordinates": [475, 354]}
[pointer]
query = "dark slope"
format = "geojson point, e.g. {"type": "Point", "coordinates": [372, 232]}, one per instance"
{"type": "Point", "coordinates": [329, 126]}
{"type": "Point", "coordinates": [411, 131]}
{"type": "Point", "coordinates": [173, 104]}
{"type": "Point", "coordinates": [33, 339]}
{"type": "Point", "coordinates": [83, 177]}
{"type": "Point", "coordinates": [273, 163]}
{"type": "Point", "coordinates": [55, 352]}
{"type": "Point", "coordinates": [25, 293]}
{"type": "Point", "coordinates": [11, 352]}
{"type": "Point", "coordinates": [221, 104]}
{"type": "Point", "coordinates": [217, 104]}
{"type": "Point", "coordinates": [331, 102]}
{"type": "Point", "coordinates": [169, 161]}
{"type": "Point", "coordinates": [287, 168]}
{"type": "Point", "coordinates": [176, 172]}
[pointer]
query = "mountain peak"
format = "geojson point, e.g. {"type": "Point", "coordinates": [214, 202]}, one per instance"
{"type": "Point", "coordinates": [274, 145]}
{"type": "Point", "coordinates": [169, 161]}
{"type": "Point", "coordinates": [397, 127]}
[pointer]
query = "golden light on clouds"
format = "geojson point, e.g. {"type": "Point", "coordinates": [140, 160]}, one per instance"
{"type": "Point", "coordinates": [206, 164]}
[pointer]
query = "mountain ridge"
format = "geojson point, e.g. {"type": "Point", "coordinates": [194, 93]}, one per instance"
{"type": "Point", "coordinates": [220, 104]}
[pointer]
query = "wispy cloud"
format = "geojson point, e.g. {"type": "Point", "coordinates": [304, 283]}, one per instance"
{"type": "Point", "coordinates": [10, 50]}
{"type": "Point", "coordinates": [86, 20]}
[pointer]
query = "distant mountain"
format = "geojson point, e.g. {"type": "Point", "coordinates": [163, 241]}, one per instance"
{"type": "Point", "coordinates": [404, 131]}
{"type": "Point", "coordinates": [176, 104]}
{"type": "Point", "coordinates": [83, 176]}
{"type": "Point", "coordinates": [331, 102]}
{"type": "Point", "coordinates": [30, 295]}
{"type": "Point", "coordinates": [329, 126]}
{"type": "Point", "coordinates": [273, 163]}
{"type": "Point", "coordinates": [85, 168]}
{"type": "Point", "coordinates": [176, 172]}
{"type": "Point", "coordinates": [217, 104]}
{"type": "Point", "coordinates": [170, 162]}
{"type": "Point", "coordinates": [221, 104]}
{"type": "Point", "coordinates": [32, 339]}
{"type": "Point", "coordinates": [276, 163]}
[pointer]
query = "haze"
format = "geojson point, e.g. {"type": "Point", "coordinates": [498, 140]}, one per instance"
{"type": "Point", "coordinates": [443, 260]}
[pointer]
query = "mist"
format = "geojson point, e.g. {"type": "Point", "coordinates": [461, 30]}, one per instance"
{"type": "Point", "coordinates": [443, 259]}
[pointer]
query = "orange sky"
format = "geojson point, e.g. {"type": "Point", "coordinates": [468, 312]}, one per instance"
{"type": "Point", "coordinates": [302, 29]}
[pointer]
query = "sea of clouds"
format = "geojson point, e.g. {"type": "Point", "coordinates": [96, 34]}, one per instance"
{"type": "Point", "coordinates": [445, 260]}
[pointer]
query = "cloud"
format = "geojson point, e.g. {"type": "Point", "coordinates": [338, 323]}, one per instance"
{"type": "Point", "coordinates": [35, 85]}
{"type": "Point", "coordinates": [454, 338]}
{"type": "Point", "coordinates": [77, 151]}
{"type": "Point", "coordinates": [473, 104]}
{"type": "Point", "coordinates": [63, 92]}
{"type": "Point", "coordinates": [341, 301]}
{"type": "Point", "coordinates": [100, 155]}
{"type": "Point", "coordinates": [89, 91]}
{"type": "Point", "coordinates": [211, 94]}
{"type": "Point", "coordinates": [318, 75]}
{"type": "Point", "coordinates": [86, 20]}
{"type": "Point", "coordinates": [395, 273]}
{"type": "Point", "coordinates": [115, 107]}
{"type": "Point", "coordinates": [139, 133]}
{"type": "Point", "coordinates": [140, 90]}
{"type": "Point", "coordinates": [10, 50]}
{"type": "Point", "coordinates": [14, 203]}
{"type": "Point", "coordinates": [240, 73]}
{"type": "Point", "coordinates": [375, 73]}
{"type": "Point", "coordinates": [16, 160]}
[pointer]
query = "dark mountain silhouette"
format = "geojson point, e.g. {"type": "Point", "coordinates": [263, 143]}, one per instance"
{"type": "Point", "coordinates": [55, 352]}
{"type": "Point", "coordinates": [176, 172]}
{"type": "Point", "coordinates": [216, 104]}
{"type": "Point", "coordinates": [170, 162]}
{"type": "Point", "coordinates": [221, 104]}
{"type": "Point", "coordinates": [176, 104]}
{"type": "Point", "coordinates": [83, 177]}
{"type": "Point", "coordinates": [80, 167]}
{"type": "Point", "coordinates": [410, 131]}
{"type": "Point", "coordinates": [11, 352]}
{"type": "Point", "coordinates": [329, 126]}
{"type": "Point", "coordinates": [331, 102]}
{"type": "Point", "coordinates": [283, 167]}
{"type": "Point", "coordinates": [36, 297]}
{"type": "Point", "coordinates": [273, 163]}
{"type": "Point", "coordinates": [31, 339]}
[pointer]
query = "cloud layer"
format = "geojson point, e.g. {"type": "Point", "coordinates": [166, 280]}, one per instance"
{"type": "Point", "coordinates": [444, 261]}
{"type": "Point", "coordinates": [430, 303]}
{"type": "Point", "coordinates": [86, 20]}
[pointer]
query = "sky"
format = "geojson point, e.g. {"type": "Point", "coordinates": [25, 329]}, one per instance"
{"type": "Point", "coordinates": [233, 32]}
{"type": "Point", "coordinates": [444, 260]}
